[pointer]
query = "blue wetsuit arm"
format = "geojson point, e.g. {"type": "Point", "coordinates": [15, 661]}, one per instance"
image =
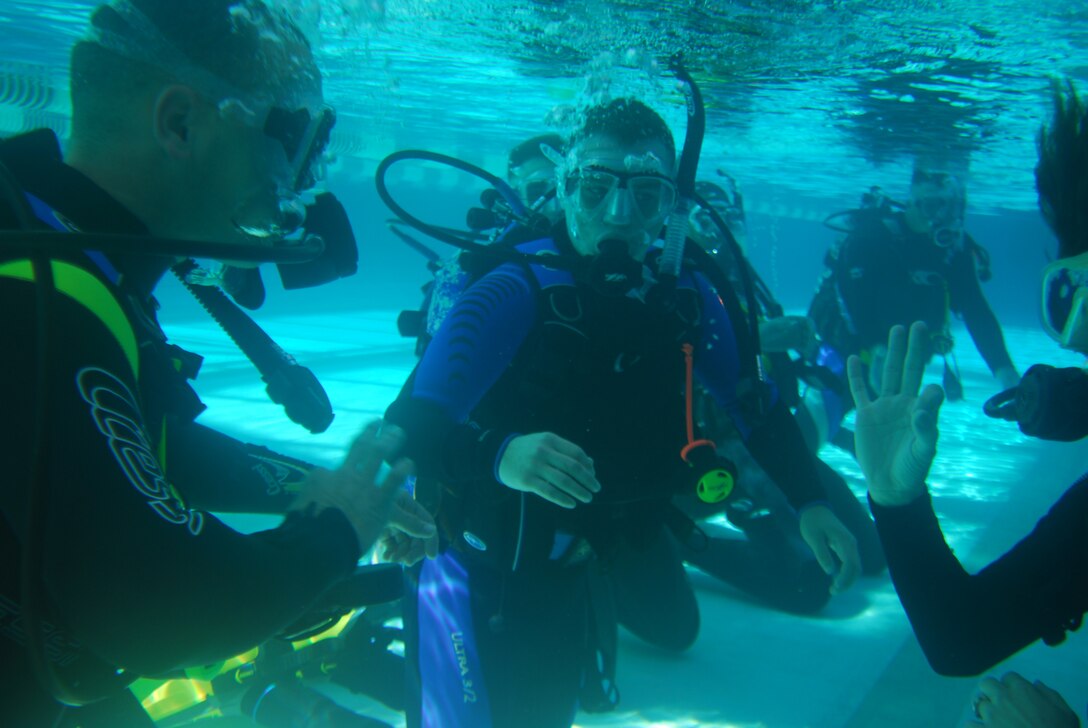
{"type": "Point", "coordinates": [471, 349]}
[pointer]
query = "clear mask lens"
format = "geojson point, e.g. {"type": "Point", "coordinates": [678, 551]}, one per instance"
{"type": "Point", "coordinates": [653, 196]}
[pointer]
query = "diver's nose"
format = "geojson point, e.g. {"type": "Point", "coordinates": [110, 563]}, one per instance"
{"type": "Point", "coordinates": [619, 207]}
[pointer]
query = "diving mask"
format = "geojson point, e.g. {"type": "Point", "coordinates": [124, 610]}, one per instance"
{"type": "Point", "coordinates": [728, 202]}
{"type": "Point", "coordinates": [294, 145]}
{"type": "Point", "coordinates": [653, 195]}
{"type": "Point", "coordinates": [304, 136]}
{"type": "Point", "coordinates": [1065, 302]}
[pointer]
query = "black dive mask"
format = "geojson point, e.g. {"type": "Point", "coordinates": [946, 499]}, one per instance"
{"type": "Point", "coordinates": [613, 272]}
{"type": "Point", "coordinates": [1049, 403]}
{"type": "Point", "coordinates": [304, 137]}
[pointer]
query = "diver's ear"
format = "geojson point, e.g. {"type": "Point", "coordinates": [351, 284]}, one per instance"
{"type": "Point", "coordinates": [173, 117]}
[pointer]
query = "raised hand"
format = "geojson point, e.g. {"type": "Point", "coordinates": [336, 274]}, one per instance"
{"type": "Point", "coordinates": [895, 435]}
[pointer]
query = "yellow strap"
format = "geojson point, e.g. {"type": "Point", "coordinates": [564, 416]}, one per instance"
{"type": "Point", "coordinates": [84, 288]}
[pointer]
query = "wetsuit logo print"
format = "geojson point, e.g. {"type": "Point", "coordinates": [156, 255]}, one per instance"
{"type": "Point", "coordinates": [60, 649]}
{"type": "Point", "coordinates": [278, 476]}
{"type": "Point", "coordinates": [117, 416]}
{"type": "Point", "coordinates": [468, 691]}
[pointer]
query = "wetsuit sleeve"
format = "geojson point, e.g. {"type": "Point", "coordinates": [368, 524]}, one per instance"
{"type": "Point", "coordinates": [773, 438]}
{"type": "Point", "coordinates": [471, 349]}
{"type": "Point", "coordinates": [968, 299]}
{"type": "Point", "coordinates": [136, 575]}
{"type": "Point", "coordinates": [967, 623]}
{"type": "Point", "coordinates": [218, 473]}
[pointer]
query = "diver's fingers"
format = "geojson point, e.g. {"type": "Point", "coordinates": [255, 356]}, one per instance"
{"type": "Point", "coordinates": [393, 484]}
{"type": "Point", "coordinates": [823, 554]}
{"type": "Point", "coordinates": [850, 563]}
{"type": "Point", "coordinates": [377, 443]}
{"type": "Point", "coordinates": [893, 363]}
{"type": "Point", "coordinates": [576, 469]}
{"type": "Point", "coordinates": [1052, 695]}
{"type": "Point", "coordinates": [402, 549]}
{"type": "Point", "coordinates": [925, 414]}
{"type": "Point", "coordinates": [362, 448]}
{"type": "Point", "coordinates": [409, 517]}
{"type": "Point", "coordinates": [990, 687]}
{"type": "Point", "coordinates": [549, 492]}
{"type": "Point", "coordinates": [856, 376]}
{"type": "Point", "coordinates": [410, 553]}
{"type": "Point", "coordinates": [390, 545]}
{"type": "Point", "coordinates": [917, 353]}
{"type": "Point", "coordinates": [572, 451]}
{"type": "Point", "coordinates": [558, 477]}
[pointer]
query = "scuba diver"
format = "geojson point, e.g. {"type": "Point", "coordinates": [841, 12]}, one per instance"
{"type": "Point", "coordinates": [778, 333]}
{"type": "Point", "coordinates": [967, 623]}
{"type": "Point", "coordinates": [195, 128]}
{"type": "Point", "coordinates": [771, 563]}
{"type": "Point", "coordinates": [526, 212]}
{"type": "Point", "coordinates": [547, 423]}
{"type": "Point", "coordinates": [895, 266]}
{"type": "Point", "coordinates": [530, 173]}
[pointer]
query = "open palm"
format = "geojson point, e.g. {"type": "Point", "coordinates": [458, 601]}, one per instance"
{"type": "Point", "coordinates": [896, 433]}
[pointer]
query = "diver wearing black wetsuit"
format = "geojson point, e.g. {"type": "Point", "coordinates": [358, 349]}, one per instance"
{"type": "Point", "coordinates": [883, 274]}
{"type": "Point", "coordinates": [886, 273]}
{"type": "Point", "coordinates": [133, 564]}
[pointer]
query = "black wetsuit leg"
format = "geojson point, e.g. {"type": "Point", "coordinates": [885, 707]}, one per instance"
{"type": "Point", "coordinates": [654, 598]}
{"type": "Point", "coordinates": [773, 563]}
{"type": "Point", "coordinates": [532, 636]}
{"type": "Point", "coordinates": [529, 638]}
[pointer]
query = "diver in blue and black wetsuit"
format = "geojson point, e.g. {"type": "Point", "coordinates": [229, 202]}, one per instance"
{"type": "Point", "coordinates": [547, 420]}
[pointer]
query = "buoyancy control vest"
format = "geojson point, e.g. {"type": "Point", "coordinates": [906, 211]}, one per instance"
{"type": "Point", "coordinates": [605, 372]}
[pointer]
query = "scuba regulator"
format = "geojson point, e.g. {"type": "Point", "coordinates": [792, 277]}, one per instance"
{"type": "Point", "coordinates": [1049, 403]}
